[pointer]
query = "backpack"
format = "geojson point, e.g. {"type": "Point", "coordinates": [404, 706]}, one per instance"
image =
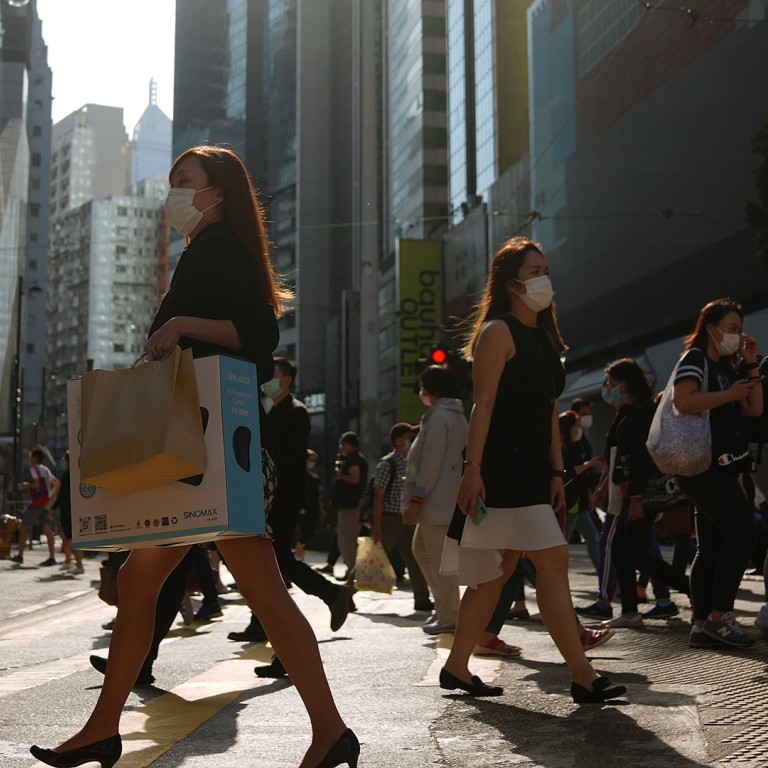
{"type": "Point", "coordinates": [366, 500]}
{"type": "Point", "coordinates": [39, 495]}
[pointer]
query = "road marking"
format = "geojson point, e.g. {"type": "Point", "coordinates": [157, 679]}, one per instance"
{"type": "Point", "coordinates": [48, 603]}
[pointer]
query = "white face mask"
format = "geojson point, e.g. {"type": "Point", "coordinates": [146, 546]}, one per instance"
{"type": "Point", "coordinates": [729, 345]}
{"type": "Point", "coordinates": [586, 422]}
{"type": "Point", "coordinates": [538, 292]}
{"type": "Point", "coordinates": [180, 210]}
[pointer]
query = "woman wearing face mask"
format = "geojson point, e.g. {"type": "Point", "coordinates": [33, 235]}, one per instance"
{"type": "Point", "coordinates": [222, 300]}
{"type": "Point", "coordinates": [514, 464]}
{"type": "Point", "coordinates": [627, 390]}
{"type": "Point", "coordinates": [577, 465]}
{"type": "Point", "coordinates": [432, 476]}
{"type": "Point", "coordinates": [725, 522]}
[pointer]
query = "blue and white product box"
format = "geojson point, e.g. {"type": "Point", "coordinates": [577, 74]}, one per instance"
{"type": "Point", "coordinates": [227, 500]}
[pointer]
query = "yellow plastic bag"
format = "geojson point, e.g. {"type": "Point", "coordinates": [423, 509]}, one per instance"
{"type": "Point", "coordinates": [141, 427]}
{"type": "Point", "coordinates": [373, 571]}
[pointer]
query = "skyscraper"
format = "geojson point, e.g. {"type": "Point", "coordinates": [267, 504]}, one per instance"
{"type": "Point", "coordinates": [25, 125]}
{"type": "Point", "coordinates": [151, 143]}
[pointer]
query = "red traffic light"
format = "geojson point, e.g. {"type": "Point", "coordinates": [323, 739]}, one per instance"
{"type": "Point", "coordinates": [438, 356]}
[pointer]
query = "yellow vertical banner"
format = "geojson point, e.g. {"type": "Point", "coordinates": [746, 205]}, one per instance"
{"type": "Point", "coordinates": [420, 304]}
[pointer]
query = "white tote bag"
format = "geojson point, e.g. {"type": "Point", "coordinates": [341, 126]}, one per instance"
{"type": "Point", "coordinates": [680, 443]}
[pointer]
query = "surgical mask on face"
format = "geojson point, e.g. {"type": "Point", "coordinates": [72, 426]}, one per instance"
{"type": "Point", "coordinates": [613, 396]}
{"type": "Point", "coordinates": [729, 345]}
{"type": "Point", "coordinates": [271, 388]}
{"type": "Point", "coordinates": [180, 210]}
{"type": "Point", "coordinates": [586, 422]}
{"type": "Point", "coordinates": [538, 292]}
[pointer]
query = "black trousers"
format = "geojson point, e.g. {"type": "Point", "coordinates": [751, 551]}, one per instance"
{"type": "Point", "coordinates": [283, 522]}
{"type": "Point", "coordinates": [726, 532]}
{"type": "Point", "coordinates": [631, 553]}
{"type": "Point", "coordinates": [172, 593]}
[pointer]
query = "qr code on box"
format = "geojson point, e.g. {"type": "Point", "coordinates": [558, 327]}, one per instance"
{"type": "Point", "coordinates": [85, 525]}
{"type": "Point", "coordinates": [101, 523]}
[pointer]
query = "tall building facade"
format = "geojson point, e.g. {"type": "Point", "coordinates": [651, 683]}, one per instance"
{"type": "Point", "coordinates": [641, 130]}
{"type": "Point", "coordinates": [416, 187]}
{"type": "Point", "coordinates": [151, 143]}
{"type": "Point", "coordinates": [278, 81]}
{"type": "Point", "coordinates": [25, 125]}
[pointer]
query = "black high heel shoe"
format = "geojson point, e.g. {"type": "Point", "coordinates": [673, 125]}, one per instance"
{"type": "Point", "coordinates": [107, 752]}
{"type": "Point", "coordinates": [601, 691]}
{"type": "Point", "coordinates": [345, 750]}
{"type": "Point", "coordinates": [476, 688]}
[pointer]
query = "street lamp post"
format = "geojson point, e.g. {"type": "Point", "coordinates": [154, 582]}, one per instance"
{"type": "Point", "coordinates": [16, 397]}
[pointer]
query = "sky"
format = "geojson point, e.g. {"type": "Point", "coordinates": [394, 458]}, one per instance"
{"type": "Point", "coordinates": [106, 51]}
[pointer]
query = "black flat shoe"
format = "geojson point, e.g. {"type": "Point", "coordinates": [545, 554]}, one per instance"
{"type": "Point", "coordinates": [274, 669]}
{"type": "Point", "coordinates": [106, 752]}
{"type": "Point", "coordinates": [476, 688]}
{"type": "Point", "coordinates": [601, 691]}
{"type": "Point", "coordinates": [345, 750]}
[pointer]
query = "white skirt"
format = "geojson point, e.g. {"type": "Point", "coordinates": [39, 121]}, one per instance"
{"type": "Point", "coordinates": [478, 557]}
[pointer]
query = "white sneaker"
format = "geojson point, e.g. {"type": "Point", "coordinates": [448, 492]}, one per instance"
{"type": "Point", "coordinates": [65, 566]}
{"type": "Point", "coordinates": [76, 570]}
{"type": "Point", "coordinates": [623, 620]}
{"type": "Point", "coordinates": [761, 621]}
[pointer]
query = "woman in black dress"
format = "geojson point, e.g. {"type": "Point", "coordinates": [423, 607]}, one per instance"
{"type": "Point", "coordinates": [222, 300]}
{"type": "Point", "coordinates": [514, 463]}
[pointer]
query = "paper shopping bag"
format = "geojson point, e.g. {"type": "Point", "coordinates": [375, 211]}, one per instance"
{"type": "Point", "coordinates": [141, 426]}
{"type": "Point", "coordinates": [373, 571]}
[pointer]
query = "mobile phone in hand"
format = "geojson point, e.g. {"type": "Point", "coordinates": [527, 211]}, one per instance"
{"type": "Point", "coordinates": [480, 511]}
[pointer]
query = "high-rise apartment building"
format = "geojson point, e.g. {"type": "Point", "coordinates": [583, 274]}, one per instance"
{"type": "Point", "coordinates": [25, 125]}
{"type": "Point", "coordinates": [90, 158]}
{"type": "Point", "coordinates": [151, 143]}
{"type": "Point", "coordinates": [108, 268]}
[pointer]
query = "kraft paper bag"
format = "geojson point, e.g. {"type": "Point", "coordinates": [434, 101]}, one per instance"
{"type": "Point", "coordinates": [141, 426]}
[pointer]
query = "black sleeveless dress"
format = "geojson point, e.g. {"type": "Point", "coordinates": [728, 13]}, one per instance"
{"type": "Point", "coordinates": [516, 459]}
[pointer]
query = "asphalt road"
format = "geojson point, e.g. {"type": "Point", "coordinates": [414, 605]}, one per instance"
{"type": "Point", "coordinates": [685, 708]}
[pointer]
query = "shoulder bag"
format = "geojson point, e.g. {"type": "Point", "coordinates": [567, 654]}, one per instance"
{"type": "Point", "coordinates": [680, 443]}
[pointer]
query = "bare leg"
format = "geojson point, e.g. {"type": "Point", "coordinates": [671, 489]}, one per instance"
{"type": "Point", "coordinates": [66, 545]}
{"type": "Point", "coordinates": [252, 562]}
{"type": "Point", "coordinates": [139, 580]}
{"type": "Point", "coordinates": [475, 610]}
{"type": "Point", "coordinates": [553, 595]}
{"type": "Point", "coordinates": [48, 533]}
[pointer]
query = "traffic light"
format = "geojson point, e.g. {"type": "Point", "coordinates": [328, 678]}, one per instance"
{"type": "Point", "coordinates": [438, 355]}
{"type": "Point", "coordinates": [441, 354]}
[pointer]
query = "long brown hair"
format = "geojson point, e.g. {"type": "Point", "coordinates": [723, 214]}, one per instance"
{"type": "Point", "coordinates": [242, 211]}
{"type": "Point", "coordinates": [506, 266]}
{"type": "Point", "coordinates": [713, 313]}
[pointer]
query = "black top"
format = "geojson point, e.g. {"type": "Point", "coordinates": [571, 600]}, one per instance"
{"type": "Point", "coordinates": [629, 432]}
{"type": "Point", "coordinates": [576, 485]}
{"type": "Point", "coordinates": [288, 422]}
{"type": "Point", "coordinates": [346, 495]}
{"type": "Point", "coordinates": [516, 457]}
{"type": "Point", "coordinates": [730, 448]}
{"type": "Point", "coordinates": [215, 279]}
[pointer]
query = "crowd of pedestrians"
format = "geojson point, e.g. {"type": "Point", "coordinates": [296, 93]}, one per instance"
{"type": "Point", "coordinates": [471, 509]}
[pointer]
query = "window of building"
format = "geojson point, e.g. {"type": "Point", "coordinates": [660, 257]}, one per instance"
{"type": "Point", "coordinates": [37, 159]}
{"type": "Point", "coordinates": [118, 347]}
{"type": "Point", "coordinates": [32, 264]}
{"type": "Point", "coordinates": [37, 130]}
{"type": "Point", "coordinates": [34, 183]}
{"type": "Point", "coordinates": [33, 237]}
{"type": "Point", "coordinates": [34, 210]}
{"type": "Point", "coordinates": [122, 210]}
{"type": "Point", "coordinates": [30, 348]}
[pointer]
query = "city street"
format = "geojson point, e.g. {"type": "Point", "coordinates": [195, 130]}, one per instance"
{"type": "Point", "coordinates": [685, 708]}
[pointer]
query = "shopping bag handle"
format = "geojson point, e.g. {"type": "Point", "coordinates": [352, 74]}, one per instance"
{"type": "Point", "coordinates": [142, 358]}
